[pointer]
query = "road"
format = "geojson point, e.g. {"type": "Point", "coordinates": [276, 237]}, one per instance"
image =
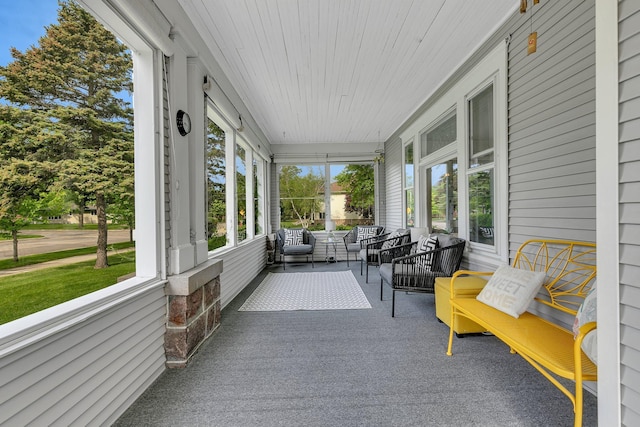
{"type": "Point", "coordinates": [58, 240]}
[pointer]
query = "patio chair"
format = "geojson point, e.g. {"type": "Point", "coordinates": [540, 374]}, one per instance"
{"type": "Point", "coordinates": [295, 241]}
{"type": "Point", "coordinates": [353, 239]}
{"type": "Point", "coordinates": [372, 246]}
{"type": "Point", "coordinates": [415, 266]}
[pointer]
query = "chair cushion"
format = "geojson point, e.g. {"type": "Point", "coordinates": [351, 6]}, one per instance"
{"type": "Point", "coordinates": [385, 273]}
{"type": "Point", "coordinates": [353, 247]}
{"type": "Point", "coordinates": [373, 254]}
{"type": "Point", "coordinates": [408, 277]}
{"type": "Point", "coordinates": [292, 237]}
{"type": "Point", "coordinates": [297, 249]}
{"type": "Point", "coordinates": [365, 233]}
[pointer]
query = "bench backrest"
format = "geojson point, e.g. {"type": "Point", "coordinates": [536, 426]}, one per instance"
{"type": "Point", "coordinates": [570, 267]}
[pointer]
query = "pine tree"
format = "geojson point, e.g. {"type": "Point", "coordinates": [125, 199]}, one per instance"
{"type": "Point", "coordinates": [27, 147]}
{"type": "Point", "coordinates": [74, 76]}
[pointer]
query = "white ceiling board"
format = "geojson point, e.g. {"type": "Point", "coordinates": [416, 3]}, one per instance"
{"type": "Point", "coordinates": [340, 71]}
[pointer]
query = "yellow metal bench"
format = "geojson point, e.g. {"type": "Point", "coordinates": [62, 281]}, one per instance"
{"type": "Point", "coordinates": [570, 272]}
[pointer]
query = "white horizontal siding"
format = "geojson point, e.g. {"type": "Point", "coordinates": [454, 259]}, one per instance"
{"type": "Point", "coordinates": [629, 208]}
{"type": "Point", "coordinates": [551, 122]}
{"type": "Point", "coordinates": [393, 205]}
{"type": "Point", "coordinates": [240, 266]}
{"type": "Point", "coordinates": [88, 372]}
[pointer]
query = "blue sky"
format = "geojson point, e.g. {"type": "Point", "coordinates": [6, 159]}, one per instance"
{"type": "Point", "coordinates": [22, 24]}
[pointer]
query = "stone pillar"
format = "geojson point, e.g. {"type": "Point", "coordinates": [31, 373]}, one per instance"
{"type": "Point", "coordinates": [193, 311]}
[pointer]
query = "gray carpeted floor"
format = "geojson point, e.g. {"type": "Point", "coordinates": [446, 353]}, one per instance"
{"type": "Point", "coordinates": [351, 368]}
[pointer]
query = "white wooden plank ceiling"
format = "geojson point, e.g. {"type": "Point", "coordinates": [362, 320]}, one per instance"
{"type": "Point", "coordinates": [333, 71]}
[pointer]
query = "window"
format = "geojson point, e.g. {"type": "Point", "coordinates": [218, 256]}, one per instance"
{"type": "Point", "coordinates": [306, 202]}
{"type": "Point", "coordinates": [235, 195]}
{"type": "Point", "coordinates": [258, 196]}
{"type": "Point", "coordinates": [216, 186]}
{"type": "Point", "coordinates": [442, 197]}
{"type": "Point", "coordinates": [352, 194]}
{"type": "Point", "coordinates": [409, 199]}
{"type": "Point", "coordinates": [439, 136]}
{"type": "Point", "coordinates": [481, 128]}
{"type": "Point", "coordinates": [480, 173]}
{"type": "Point", "coordinates": [302, 196]}
{"type": "Point", "coordinates": [463, 185]}
{"type": "Point", "coordinates": [241, 192]}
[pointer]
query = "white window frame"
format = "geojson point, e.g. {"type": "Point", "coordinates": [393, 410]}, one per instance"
{"type": "Point", "coordinates": [233, 139]}
{"type": "Point", "coordinates": [491, 69]}
{"type": "Point", "coordinates": [406, 187]}
{"type": "Point", "coordinates": [149, 233]}
{"type": "Point", "coordinates": [469, 171]}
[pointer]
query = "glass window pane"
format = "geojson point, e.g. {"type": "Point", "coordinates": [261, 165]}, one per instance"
{"type": "Point", "coordinates": [258, 197]}
{"type": "Point", "coordinates": [241, 191]}
{"type": "Point", "coordinates": [302, 196]}
{"type": "Point", "coordinates": [481, 222]}
{"type": "Point", "coordinates": [216, 187]}
{"type": "Point", "coordinates": [481, 128]}
{"type": "Point", "coordinates": [411, 208]}
{"type": "Point", "coordinates": [408, 166]}
{"type": "Point", "coordinates": [439, 136]}
{"type": "Point", "coordinates": [352, 194]}
{"type": "Point", "coordinates": [442, 199]}
{"type": "Point", "coordinates": [408, 186]}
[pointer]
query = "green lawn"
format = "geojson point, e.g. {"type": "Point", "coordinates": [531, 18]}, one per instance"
{"type": "Point", "coordinates": [7, 236]}
{"type": "Point", "coordinates": [70, 227]}
{"type": "Point", "coordinates": [51, 256]}
{"type": "Point", "coordinates": [27, 293]}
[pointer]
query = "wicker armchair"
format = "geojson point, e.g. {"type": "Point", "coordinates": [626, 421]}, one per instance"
{"type": "Point", "coordinates": [306, 248]}
{"type": "Point", "coordinates": [371, 247]}
{"type": "Point", "coordinates": [407, 272]}
{"type": "Point", "coordinates": [351, 242]}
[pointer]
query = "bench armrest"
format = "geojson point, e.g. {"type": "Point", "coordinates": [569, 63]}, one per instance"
{"type": "Point", "coordinates": [577, 347]}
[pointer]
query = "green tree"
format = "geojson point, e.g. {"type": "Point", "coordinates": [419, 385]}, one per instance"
{"type": "Point", "coordinates": [358, 182]}
{"type": "Point", "coordinates": [216, 184]}
{"type": "Point", "coordinates": [75, 75]}
{"type": "Point", "coordinates": [27, 146]}
{"type": "Point", "coordinates": [19, 186]}
{"type": "Point", "coordinates": [299, 194]}
{"type": "Point", "coordinates": [122, 208]}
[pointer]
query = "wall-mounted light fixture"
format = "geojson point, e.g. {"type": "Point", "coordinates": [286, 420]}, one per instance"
{"type": "Point", "coordinates": [206, 85]}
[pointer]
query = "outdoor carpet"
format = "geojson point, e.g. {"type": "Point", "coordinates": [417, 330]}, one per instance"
{"type": "Point", "coordinates": [307, 291]}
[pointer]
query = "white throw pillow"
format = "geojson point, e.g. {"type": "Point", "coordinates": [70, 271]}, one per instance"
{"type": "Point", "coordinates": [292, 237]}
{"type": "Point", "coordinates": [365, 233]}
{"type": "Point", "coordinates": [426, 244]}
{"type": "Point", "coordinates": [511, 290]}
{"type": "Point", "coordinates": [393, 239]}
{"type": "Point", "coordinates": [588, 313]}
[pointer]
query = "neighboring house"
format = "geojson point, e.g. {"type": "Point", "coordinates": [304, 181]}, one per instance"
{"type": "Point", "coordinates": [338, 202]}
{"type": "Point", "coordinates": [90, 216]}
{"type": "Point", "coordinates": [549, 183]}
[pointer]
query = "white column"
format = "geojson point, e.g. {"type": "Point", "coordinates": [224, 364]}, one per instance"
{"type": "Point", "coordinates": [607, 219]}
{"type": "Point", "coordinates": [182, 250]}
{"type": "Point", "coordinates": [197, 173]}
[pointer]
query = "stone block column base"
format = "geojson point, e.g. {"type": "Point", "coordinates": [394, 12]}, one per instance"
{"type": "Point", "coordinates": [193, 311]}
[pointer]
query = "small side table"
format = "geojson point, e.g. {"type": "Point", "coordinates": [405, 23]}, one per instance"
{"type": "Point", "coordinates": [334, 244]}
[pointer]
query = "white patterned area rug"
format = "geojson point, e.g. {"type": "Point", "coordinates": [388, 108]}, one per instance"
{"type": "Point", "coordinates": [307, 291]}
